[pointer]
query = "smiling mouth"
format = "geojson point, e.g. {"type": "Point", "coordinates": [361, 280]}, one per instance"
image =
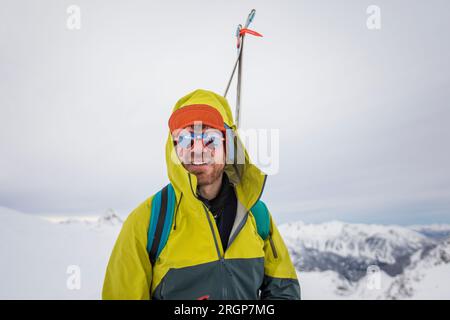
{"type": "Point", "coordinates": [199, 164]}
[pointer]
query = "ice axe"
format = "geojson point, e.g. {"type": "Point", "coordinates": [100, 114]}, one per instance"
{"type": "Point", "coordinates": [240, 35]}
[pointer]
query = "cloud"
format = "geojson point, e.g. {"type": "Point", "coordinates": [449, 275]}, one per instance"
{"type": "Point", "coordinates": [362, 114]}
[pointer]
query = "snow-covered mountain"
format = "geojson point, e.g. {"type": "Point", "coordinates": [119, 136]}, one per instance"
{"type": "Point", "coordinates": [347, 257]}
{"type": "Point", "coordinates": [350, 248]}
{"type": "Point", "coordinates": [109, 218]}
{"type": "Point", "coordinates": [427, 277]}
{"type": "Point", "coordinates": [334, 260]}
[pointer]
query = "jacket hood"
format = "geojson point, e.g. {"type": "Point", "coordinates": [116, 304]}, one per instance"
{"type": "Point", "coordinates": [248, 179]}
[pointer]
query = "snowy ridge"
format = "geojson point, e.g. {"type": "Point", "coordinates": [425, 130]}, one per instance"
{"type": "Point", "coordinates": [377, 242]}
{"type": "Point", "coordinates": [109, 218]}
{"type": "Point", "coordinates": [411, 264]}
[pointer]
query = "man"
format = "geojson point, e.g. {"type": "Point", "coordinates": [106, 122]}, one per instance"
{"type": "Point", "coordinates": [213, 250]}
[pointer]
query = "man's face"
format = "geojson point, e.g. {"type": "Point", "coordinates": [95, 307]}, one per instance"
{"type": "Point", "coordinates": [201, 151]}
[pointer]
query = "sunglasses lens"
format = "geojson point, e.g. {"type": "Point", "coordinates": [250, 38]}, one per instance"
{"type": "Point", "coordinates": [184, 140]}
{"type": "Point", "coordinates": [212, 140]}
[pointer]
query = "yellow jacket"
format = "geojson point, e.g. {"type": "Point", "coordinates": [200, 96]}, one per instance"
{"type": "Point", "coordinates": [193, 263]}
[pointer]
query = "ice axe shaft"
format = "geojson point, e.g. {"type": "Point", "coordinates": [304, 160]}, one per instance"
{"type": "Point", "coordinates": [240, 35]}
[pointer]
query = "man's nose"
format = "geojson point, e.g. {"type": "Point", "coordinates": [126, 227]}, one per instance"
{"type": "Point", "coordinates": [198, 145]}
{"type": "Point", "coordinates": [197, 150]}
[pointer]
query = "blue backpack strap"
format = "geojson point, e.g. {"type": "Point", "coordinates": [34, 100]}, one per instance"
{"type": "Point", "coordinates": [262, 217]}
{"type": "Point", "coordinates": [163, 204]}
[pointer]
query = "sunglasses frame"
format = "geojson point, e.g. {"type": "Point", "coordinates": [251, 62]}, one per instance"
{"type": "Point", "coordinates": [195, 136]}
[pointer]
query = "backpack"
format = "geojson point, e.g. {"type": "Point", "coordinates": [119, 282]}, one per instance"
{"type": "Point", "coordinates": [162, 212]}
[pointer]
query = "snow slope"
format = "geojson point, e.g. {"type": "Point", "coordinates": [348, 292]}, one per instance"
{"type": "Point", "coordinates": [35, 256]}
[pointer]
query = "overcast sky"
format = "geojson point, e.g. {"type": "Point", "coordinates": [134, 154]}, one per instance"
{"type": "Point", "coordinates": [363, 115]}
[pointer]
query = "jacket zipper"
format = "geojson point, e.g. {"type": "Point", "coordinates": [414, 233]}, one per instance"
{"type": "Point", "coordinates": [272, 245]}
{"type": "Point", "coordinates": [209, 219]}
{"type": "Point", "coordinates": [176, 211]}
{"type": "Point", "coordinates": [213, 233]}
{"type": "Point", "coordinates": [221, 257]}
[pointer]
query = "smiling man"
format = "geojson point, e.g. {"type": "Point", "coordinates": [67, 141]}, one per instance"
{"type": "Point", "coordinates": [207, 234]}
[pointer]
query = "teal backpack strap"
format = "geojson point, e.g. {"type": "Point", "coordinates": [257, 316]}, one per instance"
{"type": "Point", "coordinates": [262, 217]}
{"type": "Point", "coordinates": [163, 204]}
